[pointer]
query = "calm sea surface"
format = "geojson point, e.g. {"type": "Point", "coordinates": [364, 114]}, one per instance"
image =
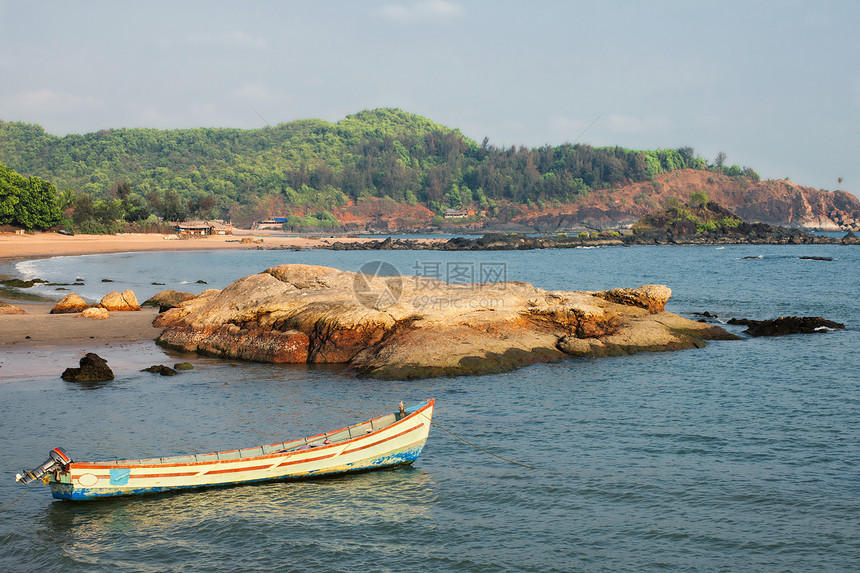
{"type": "Point", "coordinates": [742, 456]}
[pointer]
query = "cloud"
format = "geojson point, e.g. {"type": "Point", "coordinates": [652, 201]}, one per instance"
{"type": "Point", "coordinates": [629, 124]}
{"type": "Point", "coordinates": [231, 39]}
{"type": "Point", "coordinates": [253, 92]}
{"type": "Point", "coordinates": [428, 10]}
{"type": "Point", "coordinates": [561, 125]}
{"type": "Point", "coordinates": [47, 101]}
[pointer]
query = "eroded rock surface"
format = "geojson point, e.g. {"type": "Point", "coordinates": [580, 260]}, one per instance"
{"type": "Point", "coordinates": [120, 301]}
{"type": "Point", "coordinates": [72, 303]}
{"type": "Point", "coordinates": [414, 327]}
{"type": "Point", "coordinates": [7, 308]}
{"type": "Point", "coordinates": [168, 299]}
{"type": "Point", "coordinates": [96, 312]}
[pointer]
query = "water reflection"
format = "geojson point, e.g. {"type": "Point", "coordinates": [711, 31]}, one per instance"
{"type": "Point", "coordinates": [199, 524]}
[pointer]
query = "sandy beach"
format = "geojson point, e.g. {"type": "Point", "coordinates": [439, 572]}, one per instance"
{"type": "Point", "coordinates": [39, 342]}
{"type": "Point", "coordinates": [14, 246]}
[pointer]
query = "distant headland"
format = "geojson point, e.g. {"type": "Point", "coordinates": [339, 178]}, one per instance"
{"type": "Point", "coordinates": [377, 171]}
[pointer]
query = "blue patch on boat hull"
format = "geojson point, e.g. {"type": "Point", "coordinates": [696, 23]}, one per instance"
{"type": "Point", "coordinates": [77, 493]}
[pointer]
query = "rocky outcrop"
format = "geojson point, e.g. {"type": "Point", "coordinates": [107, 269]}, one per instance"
{"type": "Point", "coordinates": [168, 299]}
{"type": "Point", "coordinates": [71, 304]}
{"type": "Point", "coordinates": [776, 202]}
{"type": "Point", "coordinates": [93, 368]}
{"type": "Point", "coordinates": [96, 313]}
{"type": "Point", "coordinates": [414, 327]}
{"type": "Point", "coordinates": [6, 308]}
{"type": "Point", "coordinates": [120, 302]}
{"type": "Point", "coordinates": [652, 298]}
{"type": "Point", "coordinates": [787, 325]}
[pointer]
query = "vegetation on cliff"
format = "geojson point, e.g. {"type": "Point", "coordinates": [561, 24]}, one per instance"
{"type": "Point", "coordinates": [697, 216]}
{"type": "Point", "coordinates": [313, 168]}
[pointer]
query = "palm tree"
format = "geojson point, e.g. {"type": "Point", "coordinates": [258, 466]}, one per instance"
{"type": "Point", "coordinates": [65, 199]}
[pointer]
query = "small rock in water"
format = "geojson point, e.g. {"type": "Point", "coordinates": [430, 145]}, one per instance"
{"type": "Point", "coordinates": [705, 314]}
{"type": "Point", "coordinates": [787, 325]}
{"type": "Point", "coordinates": [183, 366]}
{"type": "Point", "coordinates": [161, 369]}
{"type": "Point", "coordinates": [93, 368]}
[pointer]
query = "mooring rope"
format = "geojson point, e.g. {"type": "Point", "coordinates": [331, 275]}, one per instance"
{"type": "Point", "coordinates": [441, 427]}
{"type": "Point", "coordinates": [477, 447]}
{"type": "Point", "coordinates": [35, 483]}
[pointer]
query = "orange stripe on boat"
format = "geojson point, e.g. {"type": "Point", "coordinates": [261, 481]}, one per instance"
{"type": "Point", "coordinates": [306, 460]}
{"type": "Point", "coordinates": [175, 474]}
{"type": "Point", "coordinates": [242, 469]}
{"type": "Point", "coordinates": [370, 445]}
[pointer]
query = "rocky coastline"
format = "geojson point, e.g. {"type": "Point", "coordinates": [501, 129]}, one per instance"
{"type": "Point", "coordinates": [415, 327]}
{"type": "Point", "coordinates": [749, 234]}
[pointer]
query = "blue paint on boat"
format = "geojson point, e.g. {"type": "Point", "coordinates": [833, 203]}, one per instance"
{"type": "Point", "coordinates": [119, 476]}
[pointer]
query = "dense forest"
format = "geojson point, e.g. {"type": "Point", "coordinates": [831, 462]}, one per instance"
{"type": "Point", "coordinates": [310, 168]}
{"type": "Point", "coordinates": [27, 202]}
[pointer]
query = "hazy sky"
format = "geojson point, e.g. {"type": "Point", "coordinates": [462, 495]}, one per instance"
{"type": "Point", "coordinates": [775, 85]}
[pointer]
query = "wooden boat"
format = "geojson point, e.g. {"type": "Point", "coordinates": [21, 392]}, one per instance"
{"type": "Point", "coordinates": [389, 440]}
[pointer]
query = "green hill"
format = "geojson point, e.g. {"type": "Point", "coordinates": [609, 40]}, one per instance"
{"type": "Point", "coordinates": [313, 166]}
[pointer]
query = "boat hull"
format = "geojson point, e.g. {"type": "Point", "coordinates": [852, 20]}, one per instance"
{"type": "Point", "coordinates": [394, 444]}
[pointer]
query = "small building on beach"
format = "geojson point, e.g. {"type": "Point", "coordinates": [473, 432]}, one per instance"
{"type": "Point", "coordinates": [202, 228]}
{"type": "Point", "coordinates": [273, 223]}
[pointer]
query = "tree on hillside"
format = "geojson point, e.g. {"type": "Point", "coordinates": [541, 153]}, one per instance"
{"type": "Point", "coordinates": [27, 202]}
{"type": "Point", "coordinates": [699, 199]}
{"type": "Point", "coordinates": [720, 159]}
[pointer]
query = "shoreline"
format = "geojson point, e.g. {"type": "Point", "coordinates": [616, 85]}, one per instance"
{"type": "Point", "coordinates": [37, 339]}
{"type": "Point", "coordinates": [15, 247]}
{"type": "Point", "coordinates": [39, 344]}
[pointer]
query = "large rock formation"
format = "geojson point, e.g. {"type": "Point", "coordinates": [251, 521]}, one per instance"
{"type": "Point", "coordinates": [120, 302]}
{"type": "Point", "coordinates": [168, 299]}
{"type": "Point", "coordinates": [71, 304]}
{"type": "Point", "coordinates": [7, 308]}
{"type": "Point", "coordinates": [413, 327]}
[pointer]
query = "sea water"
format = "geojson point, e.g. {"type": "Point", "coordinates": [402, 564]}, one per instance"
{"type": "Point", "coordinates": [743, 455]}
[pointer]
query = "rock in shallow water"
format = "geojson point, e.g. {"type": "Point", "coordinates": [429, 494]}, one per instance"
{"type": "Point", "coordinates": [787, 325]}
{"type": "Point", "coordinates": [415, 327]}
{"type": "Point", "coordinates": [93, 368]}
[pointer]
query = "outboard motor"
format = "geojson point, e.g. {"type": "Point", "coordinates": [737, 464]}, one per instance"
{"type": "Point", "coordinates": [57, 460]}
